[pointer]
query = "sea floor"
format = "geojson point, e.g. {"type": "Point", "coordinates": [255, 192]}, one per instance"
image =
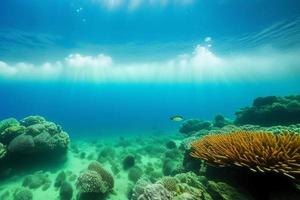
{"type": "Point", "coordinates": [148, 150]}
{"type": "Point", "coordinates": [157, 155]}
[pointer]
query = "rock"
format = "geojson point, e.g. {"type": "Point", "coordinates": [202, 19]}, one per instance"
{"type": "Point", "coordinates": [155, 191]}
{"type": "Point", "coordinates": [270, 111]}
{"type": "Point", "coordinates": [128, 162]}
{"type": "Point", "coordinates": [2, 151]}
{"type": "Point", "coordinates": [5, 195]}
{"type": "Point", "coordinates": [139, 187]}
{"type": "Point", "coordinates": [6, 123]}
{"type": "Point", "coordinates": [263, 101]}
{"type": "Point", "coordinates": [170, 183]}
{"type": "Point", "coordinates": [171, 144]}
{"type": "Point", "coordinates": [188, 185]}
{"type": "Point", "coordinates": [57, 143]}
{"type": "Point", "coordinates": [173, 154]}
{"type": "Point", "coordinates": [184, 186]}
{"type": "Point", "coordinates": [185, 196]}
{"type": "Point", "coordinates": [22, 194]}
{"type": "Point", "coordinates": [22, 144]}
{"type": "Point", "coordinates": [135, 173]}
{"type": "Point", "coordinates": [191, 179]}
{"type": "Point", "coordinates": [33, 136]}
{"type": "Point", "coordinates": [60, 178]}
{"type": "Point", "coordinates": [105, 175]}
{"type": "Point", "coordinates": [224, 191]}
{"type": "Point", "coordinates": [115, 168]}
{"type": "Point", "coordinates": [155, 176]}
{"type": "Point", "coordinates": [66, 191]}
{"type": "Point", "coordinates": [91, 182]}
{"type": "Point", "coordinates": [91, 156]}
{"type": "Point", "coordinates": [35, 129]}
{"type": "Point", "coordinates": [153, 150]}
{"type": "Point", "coordinates": [82, 155]}
{"type": "Point", "coordinates": [193, 125]}
{"type": "Point", "coordinates": [171, 167]}
{"type": "Point", "coordinates": [72, 177]}
{"type": "Point", "coordinates": [145, 190]}
{"type": "Point", "coordinates": [190, 163]}
{"type": "Point", "coordinates": [220, 121]}
{"type": "Point", "coordinates": [10, 133]}
{"type": "Point", "coordinates": [106, 153]}
{"type": "Point", "coordinates": [35, 181]}
{"type": "Point", "coordinates": [31, 120]}
{"type": "Point", "coordinates": [46, 186]}
{"type": "Point", "coordinates": [42, 142]}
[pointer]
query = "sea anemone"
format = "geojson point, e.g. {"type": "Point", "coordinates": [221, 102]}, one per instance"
{"type": "Point", "coordinates": [259, 151]}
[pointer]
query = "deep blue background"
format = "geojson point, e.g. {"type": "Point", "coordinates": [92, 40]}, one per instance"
{"type": "Point", "coordinates": [91, 108]}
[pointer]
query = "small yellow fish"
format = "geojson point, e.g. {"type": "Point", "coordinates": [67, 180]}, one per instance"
{"type": "Point", "coordinates": [176, 118]}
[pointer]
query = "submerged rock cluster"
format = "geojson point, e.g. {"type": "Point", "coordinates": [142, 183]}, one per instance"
{"type": "Point", "coordinates": [31, 137]}
{"type": "Point", "coordinates": [185, 186]}
{"type": "Point", "coordinates": [270, 111]}
{"type": "Point", "coordinates": [193, 125]}
{"type": "Point", "coordinates": [94, 182]}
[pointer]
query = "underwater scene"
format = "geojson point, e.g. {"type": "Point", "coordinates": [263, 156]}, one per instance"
{"type": "Point", "coordinates": [149, 100]}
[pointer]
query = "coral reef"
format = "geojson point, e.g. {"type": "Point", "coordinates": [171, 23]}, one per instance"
{"type": "Point", "coordinates": [185, 186]}
{"type": "Point", "coordinates": [156, 167]}
{"type": "Point", "coordinates": [36, 180]}
{"type": "Point", "coordinates": [9, 122]}
{"type": "Point", "coordinates": [170, 167]}
{"type": "Point", "coordinates": [22, 194]}
{"type": "Point", "coordinates": [106, 154]}
{"type": "Point", "coordinates": [60, 178]}
{"type": "Point", "coordinates": [155, 191]}
{"type": "Point", "coordinates": [258, 151]}
{"type": "Point", "coordinates": [171, 144]}
{"type": "Point", "coordinates": [105, 175]}
{"type": "Point", "coordinates": [144, 190]}
{"type": "Point", "coordinates": [32, 120]}
{"type": "Point", "coordinates": [220, 190]}
{"type": "Point", "coordinates": [186, 143]}
{"type": "Point", "coordinates": [271, 110]}
{"type": "Point", "coordinates": [32, 136]}
{"type": "Point", "coordinates": [91, 182]}
{"type": "Point", "coordinates": [95, 182]}
{"type": "Point", "coordinates": [2, 151]}
{"type": "Point", "coordinates": [22, 144]}
{"type": "Point", "coordinates": [66, 191]}
{"type": "Point", "coordinates": [193, 125]}
{"type": "Point", "coordinates": [128, 162]}
{"type": "Point", "coordinates": [220, 121]}
{"type": "Point", "coordinates": [135, 173]}
{"type": "Point", "coordinates": [294, 128]}
{"type": "Point", "coordinates": [10, 133]}
{"type": "Point", "coordinates": [170, 183]}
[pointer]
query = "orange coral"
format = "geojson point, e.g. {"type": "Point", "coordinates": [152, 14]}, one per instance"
{"type": "Point", "coordinates": [258, 151]}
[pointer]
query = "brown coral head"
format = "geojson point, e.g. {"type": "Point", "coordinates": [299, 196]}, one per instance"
{"type": "Point", "coordinates": [259, 151]}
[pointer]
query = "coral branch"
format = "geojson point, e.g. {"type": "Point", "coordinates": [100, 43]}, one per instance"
{"type": "Point", "coordinates": [258, 151]}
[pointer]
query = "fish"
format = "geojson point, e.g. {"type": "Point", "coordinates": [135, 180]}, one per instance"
{"type": "Point", "coordinates": [176, 118]}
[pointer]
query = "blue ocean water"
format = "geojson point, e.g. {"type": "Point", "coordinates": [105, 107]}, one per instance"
{"type": "Point", "coordinates": [87, 109]}
{"type": "Point", "coordinates": [112, 73]}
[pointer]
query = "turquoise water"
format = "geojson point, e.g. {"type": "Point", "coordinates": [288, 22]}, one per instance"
{"type": "Point", "coordinates": [101, 108]}
{"type": "Point", "coordinates": [88, 89]}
